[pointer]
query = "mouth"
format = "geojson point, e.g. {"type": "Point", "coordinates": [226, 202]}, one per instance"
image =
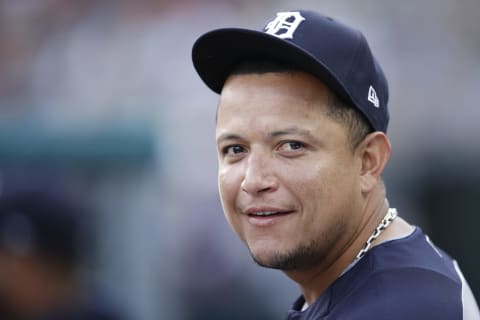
{"type": "Point", "coordinates": [266, 217]}
{"type": "Point", "coordinates": [261, 214]}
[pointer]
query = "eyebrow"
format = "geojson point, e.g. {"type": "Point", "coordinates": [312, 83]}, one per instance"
{"type": "Point", "coordinates": [228, 136]}
{"type": "Point", "coordinates": [291, 130]}
{"type": "Point", "coordinates": [273, 134]}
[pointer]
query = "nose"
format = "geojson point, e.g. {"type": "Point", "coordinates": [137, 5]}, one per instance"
{"type": "Point", "coordinates": [259, 175]}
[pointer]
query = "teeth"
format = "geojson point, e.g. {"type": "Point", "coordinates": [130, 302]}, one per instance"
{"type": "Point", "coordinates": [266, 213]}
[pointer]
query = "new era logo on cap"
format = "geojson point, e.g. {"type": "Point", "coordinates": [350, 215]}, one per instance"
{"type": "Point", "coordinates": [285, 24]}
{"type": "Point", "coordinates": [372, 97]}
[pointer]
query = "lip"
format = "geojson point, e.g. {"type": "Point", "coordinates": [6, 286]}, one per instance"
{"type": "Point", "coordinates": [266, 221]}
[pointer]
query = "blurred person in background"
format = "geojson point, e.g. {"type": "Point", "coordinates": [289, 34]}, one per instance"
{"type": "Point", "coordinates": [42, 234]}
{"type": "Point", "coordinates": [302, 145]}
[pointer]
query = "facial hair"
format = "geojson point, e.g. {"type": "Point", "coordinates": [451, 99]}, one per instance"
{"type": "Point", "coordinates": [302, 257]}
{"type": "Point", "coordinates": [305, 255]}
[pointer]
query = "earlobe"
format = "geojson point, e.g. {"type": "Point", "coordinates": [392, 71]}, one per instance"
{"type": "Point", "coordinates": [374, 152]}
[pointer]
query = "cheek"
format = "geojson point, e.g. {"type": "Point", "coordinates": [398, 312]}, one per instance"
{"type": "Point", "coordinates": [324, 184]}
{"type": "Point", "coordinates": [340, 185]}
{"type": "Point", "coordinates": [314, 179]}
{"type": "Point", "coordinates": [228, 186]}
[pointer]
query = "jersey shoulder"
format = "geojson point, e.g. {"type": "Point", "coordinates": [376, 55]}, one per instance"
{"type": "Point", "coordinates": [407, 278]}
{"type": "Point", "coordinates": [404, 294]}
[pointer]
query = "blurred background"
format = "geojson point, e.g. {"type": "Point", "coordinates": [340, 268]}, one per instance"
{"type": "Point", "coordinates": [102, 96]}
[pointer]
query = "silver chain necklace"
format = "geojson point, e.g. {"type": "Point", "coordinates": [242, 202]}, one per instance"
{"type": "Point", "coordinates": [389, 217]}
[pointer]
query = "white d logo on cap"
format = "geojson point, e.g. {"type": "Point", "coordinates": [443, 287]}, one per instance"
{"type": "Point", "coordinates": [285, 24]}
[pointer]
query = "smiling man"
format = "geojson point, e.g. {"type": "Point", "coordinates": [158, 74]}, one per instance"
{"type": "Point", "coordinates": [302, 144]}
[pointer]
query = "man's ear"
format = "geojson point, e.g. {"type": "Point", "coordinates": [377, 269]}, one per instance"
{"type": "Point", "coordinates": [374, 152]}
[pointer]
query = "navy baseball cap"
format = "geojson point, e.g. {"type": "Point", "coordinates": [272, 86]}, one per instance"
{"type": "Point", "coordinates": [336, 54]}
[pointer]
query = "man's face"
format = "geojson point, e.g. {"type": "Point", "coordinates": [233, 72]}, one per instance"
{"type": "Point", "coordinates": [288, 180]}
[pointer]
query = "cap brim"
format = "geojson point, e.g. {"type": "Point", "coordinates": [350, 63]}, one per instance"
{"type": "Point", "coordinates": [215, 54]}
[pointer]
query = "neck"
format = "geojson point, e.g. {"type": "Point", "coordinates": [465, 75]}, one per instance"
{"type": "Point", "coordinates": [314, 281]}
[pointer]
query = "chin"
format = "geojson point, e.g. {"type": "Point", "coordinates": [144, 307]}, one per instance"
{"type": "Point", "coordinates": [266, 256]}
{"type": "Point", "coordinates": [300, 258]}
{"type": "Point", "coordinates": [268, 262]}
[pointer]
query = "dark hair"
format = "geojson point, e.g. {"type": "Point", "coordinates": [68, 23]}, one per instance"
{"type": "Point", "coordinates": [337, 109]}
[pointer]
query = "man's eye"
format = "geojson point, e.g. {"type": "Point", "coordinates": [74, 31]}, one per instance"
{"type": "Point", "coordinates": [233, 150]}
{"type": "Point", "coordinates": [291, 146]}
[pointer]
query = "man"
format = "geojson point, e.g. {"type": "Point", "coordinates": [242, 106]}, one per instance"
{"type": "Point", "coordinates": [301, 136]}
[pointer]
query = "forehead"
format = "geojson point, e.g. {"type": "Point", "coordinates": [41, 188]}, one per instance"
{"type": "Point", "coordinates": [284, 93]}
{"type": "Point", "coordinates": [270, 102]}
{"type": "Point", "coordinates": [289, 85]}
